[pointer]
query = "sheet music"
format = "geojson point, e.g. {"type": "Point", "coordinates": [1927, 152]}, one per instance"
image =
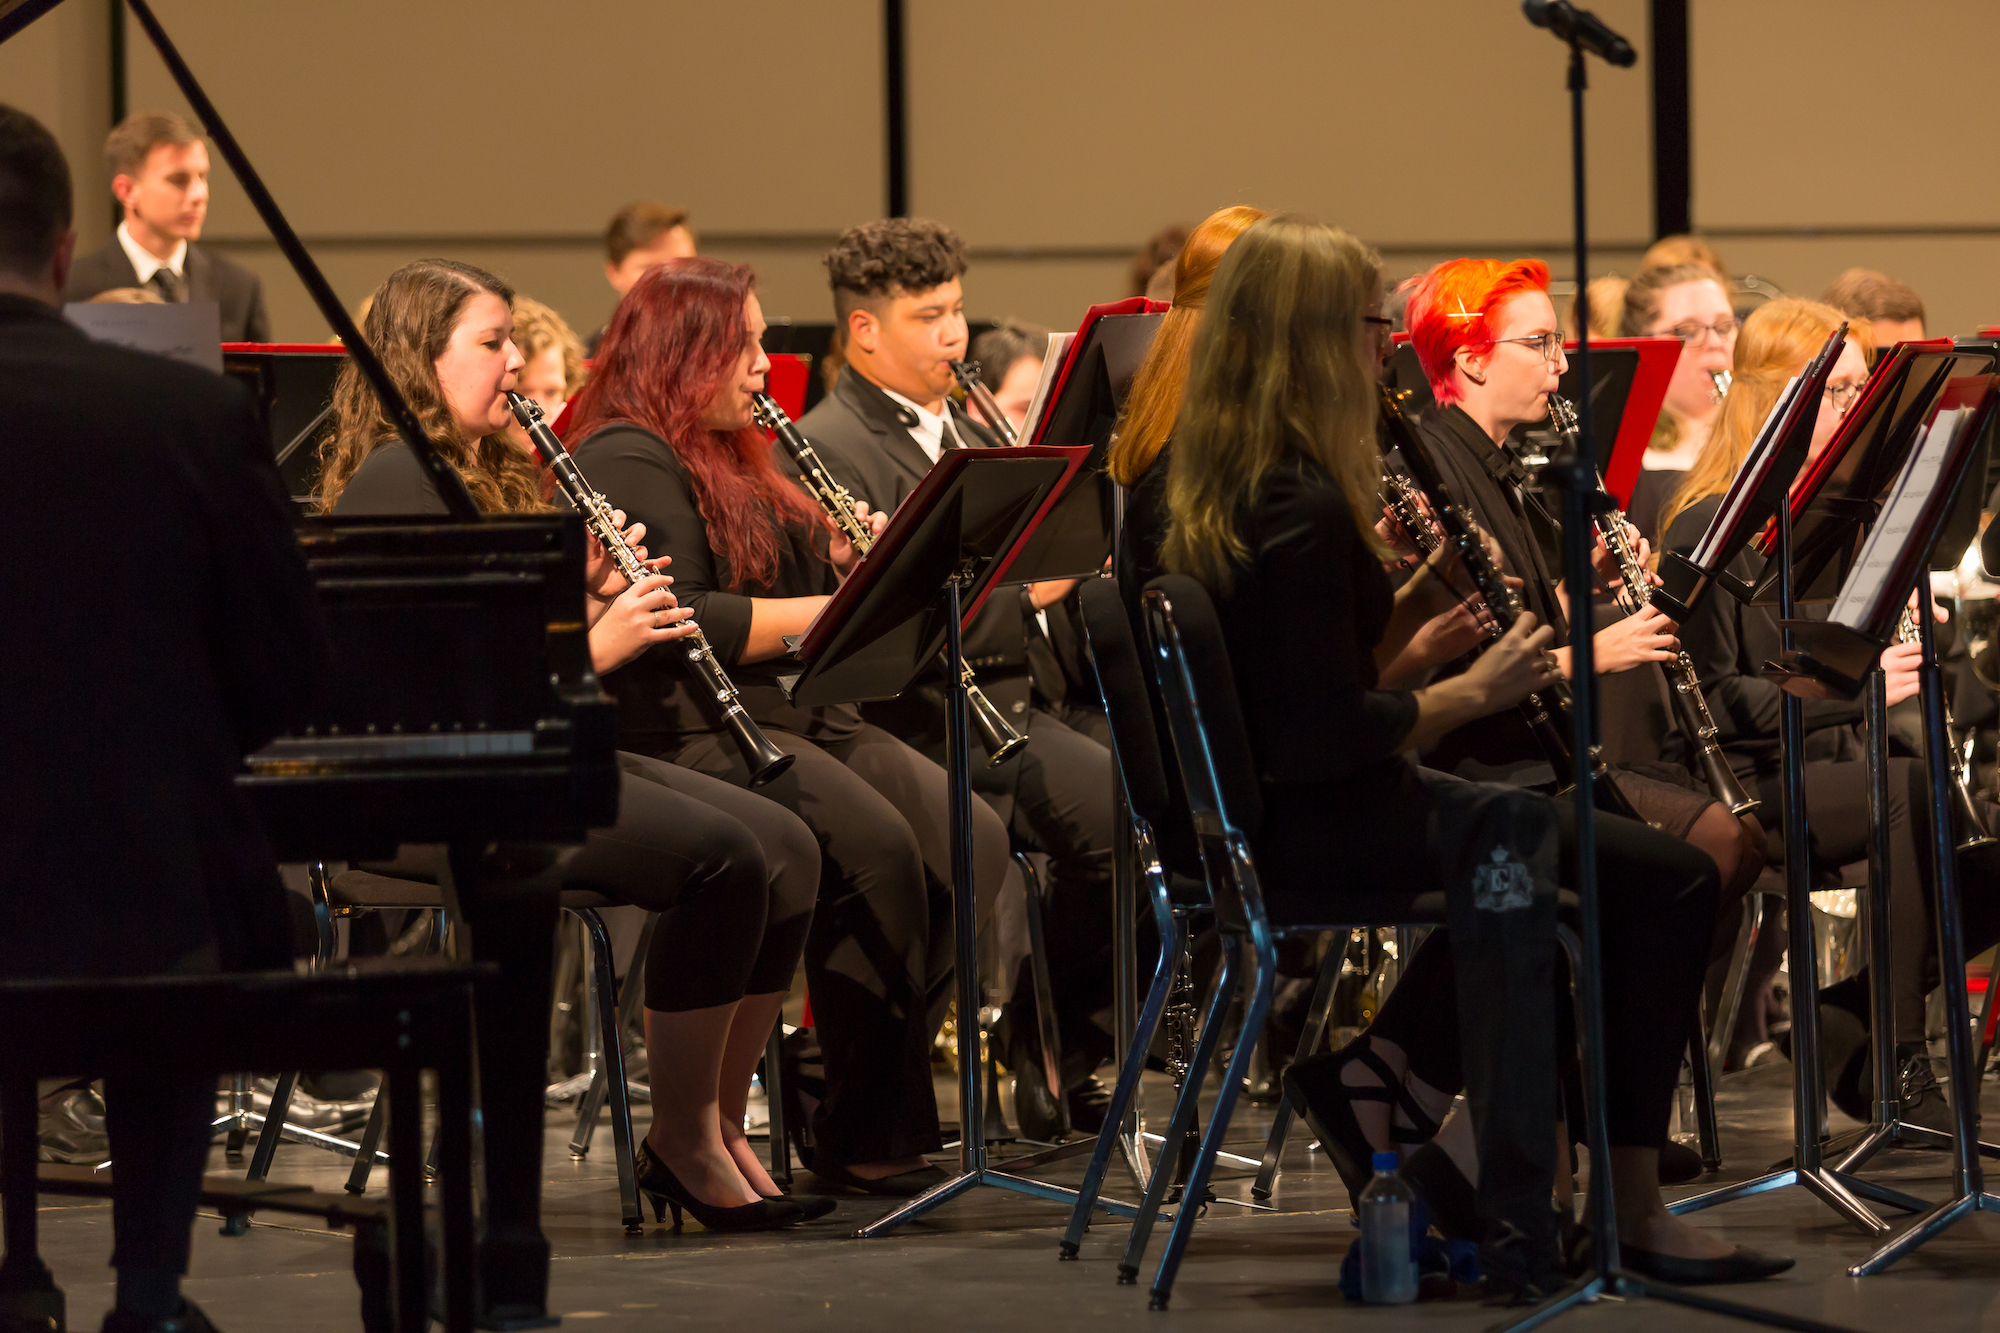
{"type": "Point", "coordinates": [1052, 361]}
{"type": "Point", "coordinates": [1748, 478]}
{"type": "Point", "coordinates": [1864, 587]}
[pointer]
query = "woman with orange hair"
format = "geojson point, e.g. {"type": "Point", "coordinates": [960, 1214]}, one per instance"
{"type": "Point", "coordinates": [1730, 641]}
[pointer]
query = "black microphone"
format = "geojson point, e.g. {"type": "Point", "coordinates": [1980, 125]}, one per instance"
{"type": "Point", "coordinates": [1581, 28]}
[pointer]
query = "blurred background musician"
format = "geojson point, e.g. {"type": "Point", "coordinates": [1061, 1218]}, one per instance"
{"type": "Point", "coordinates": [1691, 302]}
{"type": "Point", "coordinates": [900, 304]}
{"type": "Point", "coordinates": [134, 731]}
{"type": "Point", "coordinates": [664, 426]}
{"type": "Point", "coordinates": [1730, 642]}
{"type": "Point", "coordinates": [1273, 492]}
{"type": "Point", "coordinates": [1009, 357]}
{"type": "Point", "coordinates": [1894, 311]}
{"type": "Point", "coordinates": [159, 174]}
{"type": "Point", "coordinates": [1152, 271]}
{"type": "Point", "coordinates": [731, 874]}
{"type": "Point", "coordinates": [638, 237]}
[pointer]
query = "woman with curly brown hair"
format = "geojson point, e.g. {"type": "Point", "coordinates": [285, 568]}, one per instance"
{"type": "Point", "coordinates": [731, 874]}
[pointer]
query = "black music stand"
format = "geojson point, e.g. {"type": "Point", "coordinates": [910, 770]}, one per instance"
{"type": "Point", "coordinates": [1837, 502]}
{"type": "Point", "coordinates": [956, 535]}
{"type": "Point", "coordinates": [1577, 474]}
{"type": "Point", "coordinates": [1902, 556]}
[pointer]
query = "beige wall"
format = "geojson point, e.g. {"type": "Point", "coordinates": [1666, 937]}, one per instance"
{"type": "Point", "coordinates": [1055, 141]}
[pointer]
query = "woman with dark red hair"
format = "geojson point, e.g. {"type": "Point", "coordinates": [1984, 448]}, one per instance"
{"type": "Point", "coordinates": [664, 429]}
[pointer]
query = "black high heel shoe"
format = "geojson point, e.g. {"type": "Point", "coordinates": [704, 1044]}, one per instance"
{"type": "Point", "coordinates": [667, 1193]}
{"type": "Point", "coordinates": [1326, 1103]}
{"type": "Point", "coordinates": [812, 1207]}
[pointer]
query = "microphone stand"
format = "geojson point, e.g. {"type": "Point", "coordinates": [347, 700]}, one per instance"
{"type": "Point", "coordinates": [1576, 474]}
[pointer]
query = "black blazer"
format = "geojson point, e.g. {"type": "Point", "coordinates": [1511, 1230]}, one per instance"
{"type": "Point", "coordinates": [160, 626]}
{"type": "Point", "coordinates": [863, 436]}
{"type": "Point", "coordinates": [238, 291]}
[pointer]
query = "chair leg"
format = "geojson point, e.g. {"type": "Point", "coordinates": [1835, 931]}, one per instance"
{"type": "Point", "coordinates": [605, 1006]}
{"type": "Point", "coordinates": [1184, 1112]}
{"type": "Point", "coordinates": [592, 1101]}
{"type": "Point", "coordinates": [1704, 1097]}
{"type": "Point", "coordinates": [1172, 942]}
{"type": "Point", "coordinates": [774, 1100]}
{"type": "Point", "coordinates": [1045, 1003]}
{"type": "Point", "coordinates": [28, 1291]}
{"type": "Point", "coordinates": [1730, 1005]}
{"type": "Point", "coordinates": [274, 1123]}
{"type": "Point", "coordinates": [1257, 1003]}
{"type": "Point", "coordinates": [1322, 1004]}
{"type": "Point", "coordinates": [401, 1092]}
{"type": "Point", "coordinates": [371, 1138]}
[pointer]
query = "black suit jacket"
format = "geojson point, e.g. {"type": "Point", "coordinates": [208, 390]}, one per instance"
{"type": "Point", "coordinates": [160, 625]}
{"type": "Point", "coordinates": [238, 291]}
{"type": "Point", "coordinates": [863, 436]}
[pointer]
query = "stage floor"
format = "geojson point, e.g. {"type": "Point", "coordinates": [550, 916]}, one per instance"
{"type": "Point", "coordinates": [989, 1261]}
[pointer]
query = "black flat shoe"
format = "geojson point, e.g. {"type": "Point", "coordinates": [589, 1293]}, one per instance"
{"type": "Point", "coordinates": [659, 1184]}
{"type": "Point", "coordinates": [1741, 1265]}
{"type": "Point", "coordinates": [189, 1320]}
{"type": "Point", "coordinates": [1320, 1098]}
{"type": "Point", "coordinates": [812, 1207]}
{"type": "Point", "coordinates": [905, 1186]}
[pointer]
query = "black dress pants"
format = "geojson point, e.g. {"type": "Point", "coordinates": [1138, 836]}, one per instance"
{"type": "Point", "coordinates": [879, 955]}
{"type": "Point", "coordinates": [159, 1131]}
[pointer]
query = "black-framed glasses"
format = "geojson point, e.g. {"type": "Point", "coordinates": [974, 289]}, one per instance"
{"type": "Point", "coordinates": [1382, 321]}
{"type": "Point", "coordinates": [1723, 330]}
{"type": "Point", "coordinates": [1843, 396]}
{"type": "Point", "coordinates": [1548, 344]}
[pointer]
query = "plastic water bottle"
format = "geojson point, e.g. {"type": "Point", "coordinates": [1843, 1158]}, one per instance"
{"type": "Point", "coordinates": [1388, 1269]}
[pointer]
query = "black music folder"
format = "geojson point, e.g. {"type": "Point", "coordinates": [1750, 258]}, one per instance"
{"type": "Point", "coordinates": [968, 517]}
{"type": "Point", "coordinates": [1833, 656]}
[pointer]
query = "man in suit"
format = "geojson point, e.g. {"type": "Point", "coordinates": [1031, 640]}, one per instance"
{"type": "Point", "coordinates": [125, 849]}
{"type": "Point", "coordinates": [159, 172]}
{"type": "Point", "coordinates": [899, 302]}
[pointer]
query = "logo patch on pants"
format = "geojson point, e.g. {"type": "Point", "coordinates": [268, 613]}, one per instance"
{"type": "Point", "coordinates": [1503, 884]}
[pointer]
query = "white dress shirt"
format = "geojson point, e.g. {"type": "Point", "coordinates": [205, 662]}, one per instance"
{"type": "Point", "coordinates": [931, 426]}
{"type": "Point", "coordinates": [145, 265]}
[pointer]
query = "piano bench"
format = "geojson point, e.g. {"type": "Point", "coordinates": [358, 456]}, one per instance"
{"type": "Point", "coordinates": [401, 1018]}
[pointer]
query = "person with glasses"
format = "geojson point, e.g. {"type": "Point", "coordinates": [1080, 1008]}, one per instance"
{"type": "Point", "coordinates": [1686, 301]}
{"type": "Point", "coordinates": [1730, 641]}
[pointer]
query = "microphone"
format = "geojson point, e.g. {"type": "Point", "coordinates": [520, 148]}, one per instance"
{"type": "Point", "coordinates": [1580, 28]}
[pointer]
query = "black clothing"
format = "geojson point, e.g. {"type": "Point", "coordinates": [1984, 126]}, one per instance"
{"type": "Point", "coordinates": [880, 943]}
{"type": "Point", "coordinates": [131, 722]}
{"type": "Point", "coordinates": [1142, 533]}
{"type": "Point", "coordinates": [1345, 815]}
{"type": "Point", "coordinates": [659, 698]}
{"type": "Point", "coordinates": [732, 874]}
{"type": "Point", "coordinates": [1055, 795]}
{"type": "Point", "coordinates": [1651, 493]}
{"type": "Point", "coordinates": [125, 849]}
{"type": "Point", "coordinates": [1729, 643]}
{"type": "Point", "coordinates": [208, 277]}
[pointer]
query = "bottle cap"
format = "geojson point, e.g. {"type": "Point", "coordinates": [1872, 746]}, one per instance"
{"type": "Point", "coordinates": [1387, 1161]}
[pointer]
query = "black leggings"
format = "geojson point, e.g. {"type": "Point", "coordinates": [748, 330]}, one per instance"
{"type": "Point", "coordinates": [1657, 899]}
{"type": "Point", "coordinates": [879, 955]}
{"type": "Point", "coordinates": [1840, 829]}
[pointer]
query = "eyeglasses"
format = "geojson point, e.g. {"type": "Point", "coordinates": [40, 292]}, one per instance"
{"type": "Point", "coordinates": [1843, 396]}
{"type": "Point", "coordinates": [1688, 331]}
{"type": "Point", "coordinates": [1548, 344]}
{"type": "Point", "coordinates": [1383, 320]}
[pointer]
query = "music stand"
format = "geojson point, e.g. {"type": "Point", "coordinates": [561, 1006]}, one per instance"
{"type": "Point", "coordinates": [1898, 553]}
{"type": "Point", "coordinates": [959, 530]}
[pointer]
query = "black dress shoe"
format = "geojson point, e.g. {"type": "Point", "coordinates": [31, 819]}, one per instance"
{"type": "Point", "coordinates": [1035, 1108]}
{"type": "Point", "coordinates": [1678, 1163]}
{"type": "Point", "coordinates": [1453, 1200]}
{"type": "Point", "coordinates": [1088, 1102]}
{"type": "Point", "coordinates": [189, 1320]}
{"type": "Point", "coordinates": [907, 1185]}
{"type": "Point", "coordinates": [1740, 1265]}
{"type": "Point", "coordinates": [658, 1183]}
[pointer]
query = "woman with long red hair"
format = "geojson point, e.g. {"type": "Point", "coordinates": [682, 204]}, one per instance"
{"type": "Point", "coordinates": [664, 430]}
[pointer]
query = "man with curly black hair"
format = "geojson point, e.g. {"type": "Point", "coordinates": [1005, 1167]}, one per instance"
{"type": "Point", "coordinates": [900, 305]}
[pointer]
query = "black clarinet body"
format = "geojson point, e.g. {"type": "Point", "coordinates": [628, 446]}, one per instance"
{"type": "Point", "coordinates": [766, 761]}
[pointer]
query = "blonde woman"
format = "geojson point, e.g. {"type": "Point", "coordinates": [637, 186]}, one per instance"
{"type": "Point", "coordinates": [1272, 500]}
{"type": "Point", "coordinates": [1729, 643]}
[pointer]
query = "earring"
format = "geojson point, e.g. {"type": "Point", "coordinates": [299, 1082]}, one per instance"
{"type": "Point", "coordinates": [1476, 379]}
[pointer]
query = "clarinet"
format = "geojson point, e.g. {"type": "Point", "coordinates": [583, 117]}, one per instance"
{"type": "Point", "coordinates": [1976, 833]}
{"type": "Point", "coordinates": [1720, 379]}
{"type": "Point", "coordinates": [982, 398]}
{"type": "Point", "coordinates": [1000, 741]}
{"type": "Point", "coordinates": [766, 760]}
{"type": "Point", "coordinates": [1451, 525]}
{"type": "Point", "coordinates": [1683, 684]}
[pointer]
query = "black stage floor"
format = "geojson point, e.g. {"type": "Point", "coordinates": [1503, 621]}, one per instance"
{"type": "Point", "coordinates": [989, 1261]}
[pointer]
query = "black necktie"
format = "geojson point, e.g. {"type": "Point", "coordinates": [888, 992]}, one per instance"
{"type": "Point", "coordinates": [171, 286]}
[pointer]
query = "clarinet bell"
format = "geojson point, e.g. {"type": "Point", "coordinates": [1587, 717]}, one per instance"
{"type": "Point", "coordinates": [766, 761]}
